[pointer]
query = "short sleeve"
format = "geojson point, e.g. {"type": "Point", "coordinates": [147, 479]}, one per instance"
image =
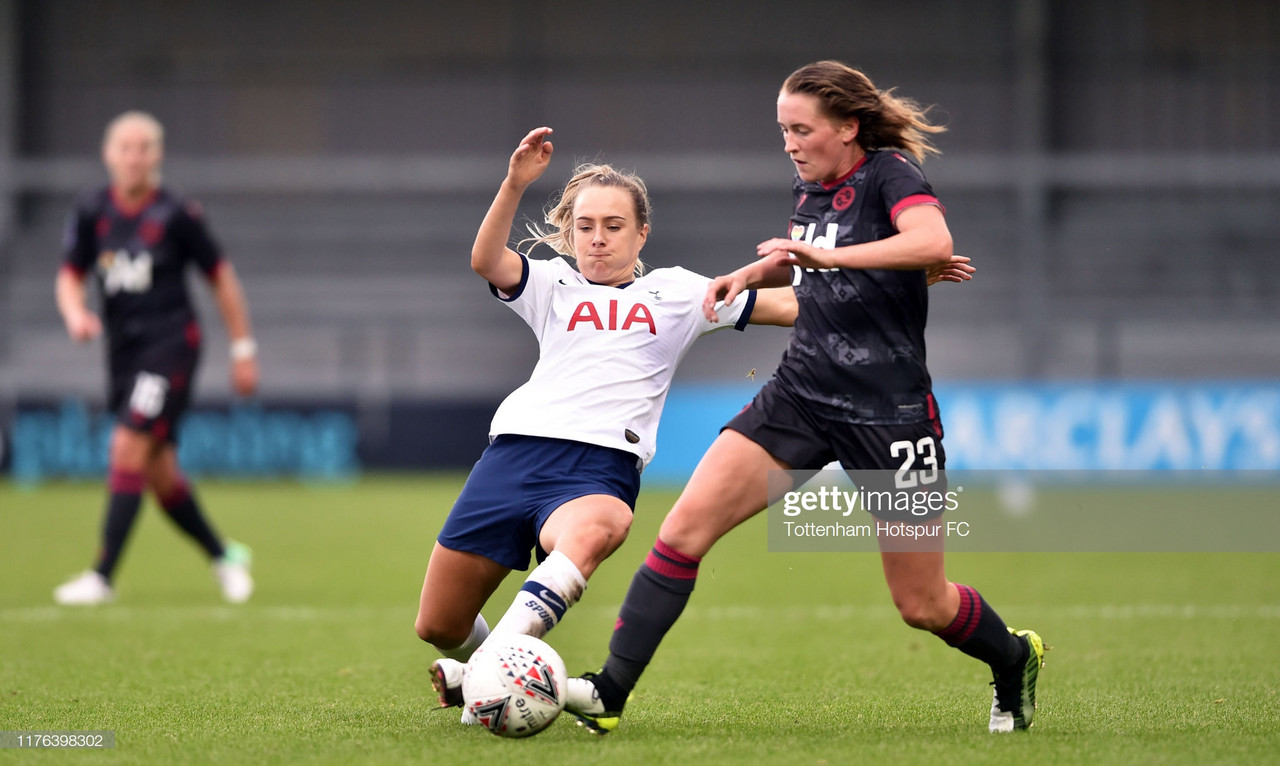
{"type": "Point", "coordinates": [532, 298]}
{"type": "Point", "coordinates": [735, 314]}
{"type": "Point", "coordinates": [79, 240]}
{"type": "Point", "coordinates": [192, 233]}
{"type": "Point", "coordinates": [903, 185]}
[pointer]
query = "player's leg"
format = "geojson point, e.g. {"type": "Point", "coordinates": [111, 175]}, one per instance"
{"type": "Point", "coordinates": [178, 359]}
{"type": "Point", "coordinates": [489, 531]}
{"type": "Point", "coordinates": [580, 534]}
{"type": "Point", "coordinates": [126, 479]}
{"type": "Point", "coordinates": [587, 530]}
{"type": "Point", "coordinates": [455, 588]}
{"type": "Point", "coordinates": [581, 499]}
{"type": "Point", "coordinates": [729, 486]}
{"type": "Point", "coordinates": [231, 560]}
{"type": "Point", "coordinates": [914, 567]}
{"type": "Point", "coordinates": [144, 401]}
{"type": "Point", "coordinates": [174, 493]}
{"type": "Point", "coordinates": [959, 615]}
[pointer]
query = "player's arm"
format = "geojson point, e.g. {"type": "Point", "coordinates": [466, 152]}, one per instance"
{"type": "Point", "coordinates": [229, 295]}
{"type": "Point", "coordinates": [923, 241]}
{"type": "Point", "coordinates": [764, 273]}
{"type": "Point", "coordinates": [490, 257]}
{"type": "Point", "coordinates": [82, 324]}
{"type": "Point", "coordinates": [775, 306]}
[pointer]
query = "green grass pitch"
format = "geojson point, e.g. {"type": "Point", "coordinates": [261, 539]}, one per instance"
{"type": "Point", "coordinates": [780, 658]}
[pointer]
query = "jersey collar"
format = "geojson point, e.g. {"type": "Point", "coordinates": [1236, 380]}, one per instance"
{"type": "Point", "coordinates": [623, 286]}
{"type": "Point", "coordinates": [829, 186]}
{"type": "Point", "coordinates": [128, 210]}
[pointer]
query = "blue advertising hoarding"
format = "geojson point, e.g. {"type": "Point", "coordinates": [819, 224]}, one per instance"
{"type": "Point", "coordinates": [1185, 426]}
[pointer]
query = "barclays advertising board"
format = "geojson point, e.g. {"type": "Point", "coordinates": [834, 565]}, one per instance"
{"type": "Point", "coordinates": [1148, 426]}
{"type": "Point", "coordinates": [1185, 426]}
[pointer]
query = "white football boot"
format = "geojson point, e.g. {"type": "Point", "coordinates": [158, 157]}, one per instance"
{"type": "Point", "coordinates": [446, 679]}
{"type": "Point", "coordinates": [86, 589]}
{"type": "Point", "coordinates": [232, 573]}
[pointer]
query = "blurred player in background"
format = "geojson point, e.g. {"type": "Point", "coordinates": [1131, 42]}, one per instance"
{"type": "Point", "coordinates": [562, 470]}
{"type": "Point", "coordinates": [137, 239]}
{"type": "Point", "coordinates": [852, 386]}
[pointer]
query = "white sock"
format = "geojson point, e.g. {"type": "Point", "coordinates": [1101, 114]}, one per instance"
{"type": "Point", "coordinates": [548, 592]}
{"type": "Point", "coordinates": [479, 632]}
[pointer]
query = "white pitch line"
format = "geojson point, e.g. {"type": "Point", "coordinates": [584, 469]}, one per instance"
{"type": "Point", "coordinates": [743, 613]}
{"type": "Point", "coordinates": [114, 613]}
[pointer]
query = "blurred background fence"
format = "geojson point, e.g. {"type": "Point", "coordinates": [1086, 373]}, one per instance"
{"type": "Point", "coordinates": [1112, 167]}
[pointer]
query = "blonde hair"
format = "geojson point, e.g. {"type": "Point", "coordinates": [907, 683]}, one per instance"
{"type": "Point", "coordinates": [135, 115]}
{"type": "Point", "coordinates": [559, 213]}
{"type": "Point", "coordinates": [885, 120]}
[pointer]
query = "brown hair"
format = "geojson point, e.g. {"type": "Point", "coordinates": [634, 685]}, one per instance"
{"type": "Point", "coordinates": [884, 120]}
{"type": "Point", "coordinates": [559, 215]}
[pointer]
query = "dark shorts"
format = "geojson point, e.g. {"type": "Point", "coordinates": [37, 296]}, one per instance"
{"type": "Point", "coordinates": [150, 386]}
{"type": "Point", "coordinates": [517, 484]}
{"type": "Point", "coordinates": [898, 457]}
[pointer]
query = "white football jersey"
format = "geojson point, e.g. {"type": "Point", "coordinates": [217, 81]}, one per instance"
{"type": "Point", "coordinates": [606, 354]}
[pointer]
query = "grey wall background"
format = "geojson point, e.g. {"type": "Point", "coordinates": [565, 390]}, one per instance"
{"type": "Point", "coordinates": [1113, 166]}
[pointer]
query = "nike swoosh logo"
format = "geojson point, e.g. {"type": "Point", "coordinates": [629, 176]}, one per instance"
{"type": "Point", "coordinates": [552, 599]}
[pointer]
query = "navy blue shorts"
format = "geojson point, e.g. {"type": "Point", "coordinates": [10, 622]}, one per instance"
{"type": "Point", "coordinates": [519, 481]}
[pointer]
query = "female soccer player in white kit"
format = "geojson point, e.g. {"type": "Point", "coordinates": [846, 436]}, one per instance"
{"type": "Point", "coordinates": [563, 467]}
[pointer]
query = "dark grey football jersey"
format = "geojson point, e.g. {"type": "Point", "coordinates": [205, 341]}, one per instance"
{"type": "Point", "coordinates": [857, 352]}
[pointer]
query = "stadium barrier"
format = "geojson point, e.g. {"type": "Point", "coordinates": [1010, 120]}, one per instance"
{"type": "Point", "coordinates": [322, 441]}
{"type": "Point", "coordinates": [1182, 426]}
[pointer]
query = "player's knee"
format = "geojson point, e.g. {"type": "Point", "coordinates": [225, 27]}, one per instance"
{"type": "Point", "coordinates": [129, 450]}
{"type": "Point", "coordinates": [681, 532]}
{"type": "Point", "coordinates": [615, 528]}
{"type": "Point", "coordinates": [603, 536]}
{"type": "Point", "coordinates": [441, 634]}
{"type": "Point", "coordinates": [920, 612]}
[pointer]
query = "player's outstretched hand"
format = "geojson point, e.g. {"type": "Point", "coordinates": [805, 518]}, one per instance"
{"type": "Point", "coordinates": [789, 252]}
{"type": "Point", "coordinates": [724, 288]}
{"type": "Point", "coordinates": [83, 326]}
{"type": "Point", "coordinates": [955, 270]}
{"type": "Point", "coordinates": [530, 158]}
{"type": "Point", "coordinates": [244, 376]}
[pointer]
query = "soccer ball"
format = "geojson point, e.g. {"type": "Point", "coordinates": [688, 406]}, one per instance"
{"type": "Point", "coordinates": [514, 685]}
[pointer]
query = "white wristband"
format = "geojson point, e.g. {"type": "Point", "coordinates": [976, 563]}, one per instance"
{"type": "Point", "coordinates": [244, 348]}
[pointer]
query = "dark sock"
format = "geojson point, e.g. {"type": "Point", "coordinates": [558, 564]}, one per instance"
{"type": "Point", "coordinates": [182, 508]}
{"type": "Point", "coordinates": [122, 511]}
{"type": "Point", "coordinates": [979, 632]}
{"type": "Point", "coordinates": [657, 596]}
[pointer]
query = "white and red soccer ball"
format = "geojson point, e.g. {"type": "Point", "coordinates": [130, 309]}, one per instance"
{"type": "Point", "coordinates": [515, 685]}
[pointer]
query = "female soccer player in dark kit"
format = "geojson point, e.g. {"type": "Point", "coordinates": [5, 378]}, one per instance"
{"type": "Point", "coordinates": [137, 238]}
{"type": "Point", "coordinates": [852, 385]}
